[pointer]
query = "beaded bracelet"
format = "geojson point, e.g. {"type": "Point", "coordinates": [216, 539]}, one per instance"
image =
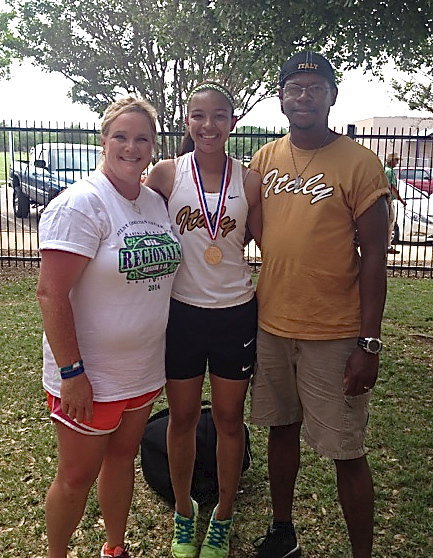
{"type": "Point", "coordinates": [70, 367]}
{"type": "Point", "coordinates": [74, 372]}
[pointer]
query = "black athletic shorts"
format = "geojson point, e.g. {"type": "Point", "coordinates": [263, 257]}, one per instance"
{"type": "Point", "coordinates": [222, 338]}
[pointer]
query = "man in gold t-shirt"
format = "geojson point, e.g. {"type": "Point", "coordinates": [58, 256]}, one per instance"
{"type": "Point", "coordinates": [321, 294]}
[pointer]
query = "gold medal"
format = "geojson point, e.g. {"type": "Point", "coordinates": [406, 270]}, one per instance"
{"type": "Point", "coordinates": [213, 255]}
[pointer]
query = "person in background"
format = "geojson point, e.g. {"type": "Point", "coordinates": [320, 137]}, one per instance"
{"type": "Point", "coordinates": [214, 203]}
{"type": "Point", "coordinates": [392, 161]}
{"type": "Point", "coordinates": [104, 293]}
{"type": "Point", "coordinates": [320, 302]}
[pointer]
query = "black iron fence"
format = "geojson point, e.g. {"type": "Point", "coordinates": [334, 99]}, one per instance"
{"type": "Point", "coordinates": [50, 158]}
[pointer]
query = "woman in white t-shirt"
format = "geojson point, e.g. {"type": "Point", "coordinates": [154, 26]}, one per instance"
{"type": "Point", "coordinates": [108, 262]}
{"type": "Point", "coordinates": [213, 202]}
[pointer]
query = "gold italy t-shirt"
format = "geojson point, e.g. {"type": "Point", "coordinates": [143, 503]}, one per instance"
{"type": "Point", "coordinates": [308, 284]}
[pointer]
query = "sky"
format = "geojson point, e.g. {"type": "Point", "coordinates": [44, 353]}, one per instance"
{"type": "Point", "coordinates": [34, 95]}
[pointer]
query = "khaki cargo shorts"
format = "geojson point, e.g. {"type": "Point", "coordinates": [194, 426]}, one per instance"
{"type": "Point", "coordinates": [302, 381]}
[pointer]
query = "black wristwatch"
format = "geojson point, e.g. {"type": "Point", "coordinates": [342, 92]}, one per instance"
{"type": "Point", "coordinates": [372, 345]}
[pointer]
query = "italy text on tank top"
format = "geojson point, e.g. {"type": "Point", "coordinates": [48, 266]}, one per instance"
{"type": "Point", "coordinates": [197, 282]}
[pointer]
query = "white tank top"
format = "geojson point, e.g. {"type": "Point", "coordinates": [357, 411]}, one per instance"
{"type": "Point", "coordinates": [197, 282]}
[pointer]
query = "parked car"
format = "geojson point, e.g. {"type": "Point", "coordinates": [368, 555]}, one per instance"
{"type": "Point", "coordinates": [50, 168]}
{"type": "Point", "coordinates": [414, 221]}
{"type": "Point", "coordinates": [421, 178]}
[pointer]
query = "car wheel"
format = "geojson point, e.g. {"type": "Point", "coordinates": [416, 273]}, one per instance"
{"type": "Point", "coordinates": [21, 204]}
{"type": "Point", "coordinates": [395, 237]}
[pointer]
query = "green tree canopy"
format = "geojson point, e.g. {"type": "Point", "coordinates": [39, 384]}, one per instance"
{"type": "Point", "coordinates": [417, 91]}
{"type": "Point", "coordinates": [9, 43]}
{"type": "Point", "coordinates": [160, 49]}
{"type": "Point", "coordinates": [248, 139]}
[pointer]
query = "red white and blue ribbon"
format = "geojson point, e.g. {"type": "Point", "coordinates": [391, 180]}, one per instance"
{"type": "Point", "coordinates": [212, 227]}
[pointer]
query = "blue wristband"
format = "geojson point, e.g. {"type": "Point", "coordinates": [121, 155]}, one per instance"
{"type": "Point", "coordinates": [72, 373]}
{"type": "Point", "coordinates": [72, 366]}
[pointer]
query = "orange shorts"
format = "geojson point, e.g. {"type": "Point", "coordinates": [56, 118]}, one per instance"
{"type": "Point", "coordinates": [106, 416]}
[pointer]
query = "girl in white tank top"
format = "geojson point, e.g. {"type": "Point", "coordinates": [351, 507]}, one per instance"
{"type": "Point", "coordinates": [214, 205]}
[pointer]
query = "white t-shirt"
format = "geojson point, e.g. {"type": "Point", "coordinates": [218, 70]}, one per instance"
{"type": "Point", "coordinates": [121, 301]}
{"type": "Point", "coordinates": [197, 282]}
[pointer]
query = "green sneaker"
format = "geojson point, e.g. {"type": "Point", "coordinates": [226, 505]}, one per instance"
{"type": "Point", "coordinates": [216, 541]}
{"type": "Point", "coordinates": [184, 543]}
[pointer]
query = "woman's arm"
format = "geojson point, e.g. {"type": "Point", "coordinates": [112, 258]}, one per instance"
{"type": "Point", "coordinates": [59, 273]}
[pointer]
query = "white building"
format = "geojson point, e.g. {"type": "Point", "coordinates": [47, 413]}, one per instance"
{"type": "Point", "coordinates": [410, 137]}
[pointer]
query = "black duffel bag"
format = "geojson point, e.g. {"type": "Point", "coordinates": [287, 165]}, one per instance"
{"type": "Point", "coordinates": [154, 460]}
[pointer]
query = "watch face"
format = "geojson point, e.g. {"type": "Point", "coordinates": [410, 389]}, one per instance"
{"type": "Point", "coordinates": [374, 345]}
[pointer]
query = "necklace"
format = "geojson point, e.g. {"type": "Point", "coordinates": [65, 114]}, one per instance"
{"type": "Point", "coordinates": [298, 179]}
{"type": "Point", "coordinates": [133, 202]}
{"type": "Point", "coordinates": [135, 206]}
{"type": "Point", "coordinates": [213, 254]}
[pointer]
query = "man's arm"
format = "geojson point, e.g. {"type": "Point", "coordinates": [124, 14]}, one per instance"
{"type": "Point", "coordinates": [396, 195]}
{"type": "Point", "coordinates": [362, 367]}
{"type": "Point", "coordinates": [252, 187]}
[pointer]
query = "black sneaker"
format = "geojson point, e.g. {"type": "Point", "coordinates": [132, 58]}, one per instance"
{"type": "Point", "coordinates": [278, 543]}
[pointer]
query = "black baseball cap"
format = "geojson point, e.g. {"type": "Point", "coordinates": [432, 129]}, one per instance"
{"type": "Point", "coordinates": [307, 61]}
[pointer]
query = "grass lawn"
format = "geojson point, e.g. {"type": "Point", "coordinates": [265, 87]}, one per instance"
{"type": "Point", "coordinates": [400, 448]}
{"type": "Point", "coordinates": [5, 161]}
{"type": "Point", "coordinates": [4, 166]}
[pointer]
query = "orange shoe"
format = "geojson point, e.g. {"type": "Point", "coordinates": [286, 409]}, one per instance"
{"type": "Point", "coordinates": [117, 552]}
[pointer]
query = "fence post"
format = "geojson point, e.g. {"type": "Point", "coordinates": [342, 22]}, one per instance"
{"type": "Point", "coordinates": [351, 131]}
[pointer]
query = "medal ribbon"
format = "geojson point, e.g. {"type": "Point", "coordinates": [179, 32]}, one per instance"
{"type": "Point", "coordinates": [225, 179]}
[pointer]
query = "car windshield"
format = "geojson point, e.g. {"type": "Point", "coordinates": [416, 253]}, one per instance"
{"type": "Point", "coordinates": [415, 174]}
{"type": "Point", "coordinates": [78, 159]}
